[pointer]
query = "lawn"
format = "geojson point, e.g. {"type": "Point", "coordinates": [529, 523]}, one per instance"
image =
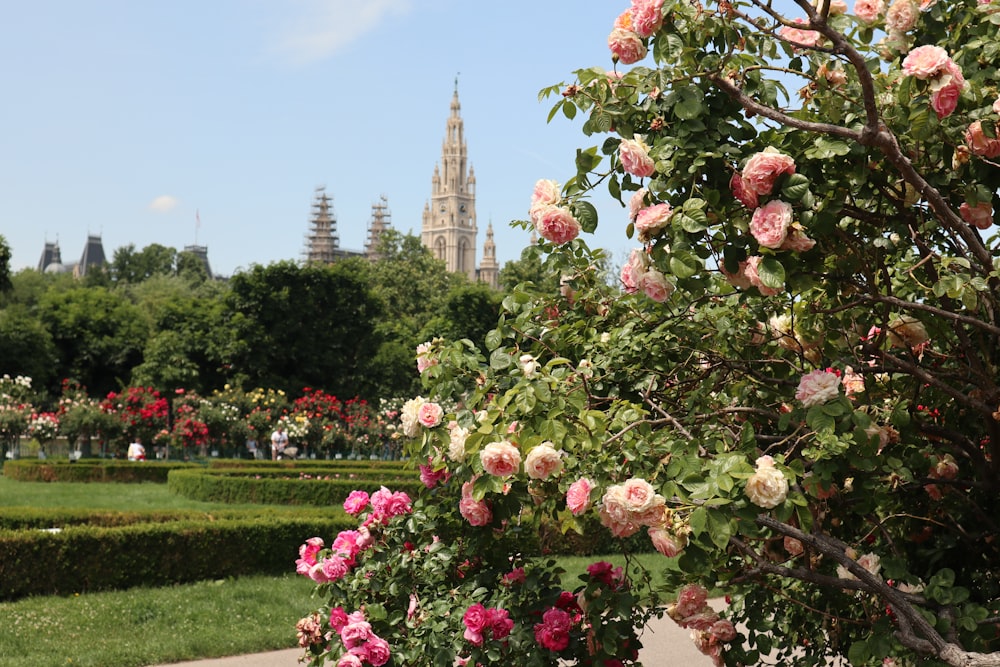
{"type": "Point", "coordinates": [161, 625]}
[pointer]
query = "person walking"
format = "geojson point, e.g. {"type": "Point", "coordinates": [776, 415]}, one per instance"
{"type": "Point", "coordinates": [279, 440]}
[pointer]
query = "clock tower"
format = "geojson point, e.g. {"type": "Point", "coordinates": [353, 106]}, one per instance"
{"type": "Point", "coordinates": [449, 221]}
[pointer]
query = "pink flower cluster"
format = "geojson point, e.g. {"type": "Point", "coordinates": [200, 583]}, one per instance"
{"type": "Point", "coordinates": [482, 623]}
{"type": "Point", "coordinates": [431, 475]}
{"type": "Point", "coordinates": [553, 632]}
{"type": "Point", "coordinates": [979, 143]}
{"type": "Point", "coordinates": [747, 276]}
{"type": "Point", "coordinates": [817, 387]}
{"type": "Point", "coordinates": [361, 644]}
{"type": "Point", "coordinates": [799, 36]}
{"type": "Point", "coordinates": [578, 496]}
{"type": "Point", "coordinates": [476, 512]}
{"type": "Point", "coordinates": [772, 224]}
{"type": "Point", "coordinates": [500, 459]}
{"type": "Point", "coordinates": [932, 64]}
{"type": "Point", "coordinates": [632, 27]}
{"type": "Point", "coordinates": [708, 630]}
{"type": "Point", "coordinates": [635, 159]}
{"type": "Point", "coordinates": [553, 221]}
{"type": "Point", "coordinates": [627, 507]}
{"type": "Point", "coordinates": [979, 216]}
{"type": "Point", "coordinates": [424, 358]}
{"type": "Point", "coordinates": [637, 274]}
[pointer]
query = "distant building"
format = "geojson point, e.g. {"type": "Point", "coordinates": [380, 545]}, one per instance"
{"type": "Point", "coordinates": [92, 258]}
{"type": "Point", "coordinates": [448, 226]}
{"type": "Point", "coordinates": [201, 252]}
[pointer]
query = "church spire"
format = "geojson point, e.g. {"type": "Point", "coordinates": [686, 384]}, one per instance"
{"type": "Point", "coordinates": [449, 221]}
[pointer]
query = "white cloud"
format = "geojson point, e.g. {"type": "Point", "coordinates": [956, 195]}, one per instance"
{"type": "Point", "coordinates": [163, 204]}
{"type": "Point", "coordinates": [327, 26]}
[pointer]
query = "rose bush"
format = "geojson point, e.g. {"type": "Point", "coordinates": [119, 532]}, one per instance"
{"type": "Point", "coordinates": [810, 423]}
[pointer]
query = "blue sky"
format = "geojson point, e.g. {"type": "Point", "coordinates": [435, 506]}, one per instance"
{"type": "Point", "coordinates": [125, 118]}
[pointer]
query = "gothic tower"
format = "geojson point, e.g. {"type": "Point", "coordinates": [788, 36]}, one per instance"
{"type": "Point", "coordinates": [322, 242]}
{"type": "Point", "coordinates": [380, 222]}
{"type": "Point", "coordinates": [489, 270]}
{"type": "Point", "coordinates": [449, 221]}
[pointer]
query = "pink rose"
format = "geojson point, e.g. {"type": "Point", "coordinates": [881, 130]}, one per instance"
{"type": "Point", "coordinates": [356, 502]}
{"type": "Point", "coordinates": [798, 36]}
{"type": "Point", "coordinates": [635, 159]}
{"type": "Point", "coordinates": [902, 16]}
{"type": "Point", "coordinates": [424, 358]}
{"type": "Point", "coordinates": [691, 599]}
{"type": "Point", "coordinates": [387, 504]}
{"type": "Point", "coordinates": [868, 10]}
{"type": "Point", "coordinates": [553, 632]}
{"type": "Point", "coordinates": [746, 196]}
{"type": "Point", "coordinates": [764, 168]}
{"type": "Point", "coordinates": [378, 651]}
{"type": "Point", "coordinates": [647, 16]}
{"type": "Point", "coordinates": [652, 219]}
{"type": "Point", "coordinates": [429, 415]}
{"type": "Point", "coordinates": [738, 279]}
{"type": "Point", "coordinates": [500, 459]}
{"type": "Point", "coordinates": [627, 46]}
{"type": "Point", "coordinates": [543, 461]}
{"type": "Point", "coordinates": [350, 660]}
{"type": "Point", "coordinates": [431, 477]}
{"type": "Point", "coordinates": [475, 618]}
{"type": "Point", "coordinates": [980, 216]}
{"type": "Point", "coordinates": [338, 619]}
{"type": "Point", "coordinates": [633, 270]}
{"type": "Point", "coordinates": [817, 387]}
{"type": "Point", "coordinates": [546, 193]}
{"type": "Point", "coordinates": [557, 224]}
{"type": "Point", "coordinates": [637, 203]}
{"type": "Point", "coordinates": [655, 286]}
{"type": "Point", "coordinates": [578, 496]}
{"type": "Point", "coordinates": [797, 241]}
{"type": "Point", "coordinates": [476, 512]}
{"type": "Point", "coordinates": [769, 224]}
{"type": "Point", "coordinates": [499, 621]}
{"type": "Point", "coordinates": [615, 514]}
{"type": "Point", "coordinates": [666, 542]}
{"type": "Point", "coordinates": [355, 633]}
{"type": "Point", "coordinates": [944, 100]}
{"type": "Point", "coordinates": [767, 487]}
{"type": "Point", "coordinates": [979, 143]}
{"type": "Point", "coordinates": [925, 62]}
{"type": "Point", "coordinates": [639, 495]}
{"type": "Point", "coordinates": [751, 274]}
{"type": "Point", "coordinates": [723, 630]}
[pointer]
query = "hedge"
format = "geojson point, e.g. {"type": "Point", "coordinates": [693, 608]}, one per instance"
{"type": "Point", "coordinates": [92, 470]}
{"type": "Point", "coordinates": [302, 486]}
{"type": "Point", "coordinates": [81, 558]}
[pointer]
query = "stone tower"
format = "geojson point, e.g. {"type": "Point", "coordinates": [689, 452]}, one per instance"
{"type": "Point", "coordinates": [380, 222]}
{"type": "Point", "coordinates": [322, 242]}
{"type": "Point", "coordinates": [489, 270]}
{"type": "Point", "coordinates": [449, 220]}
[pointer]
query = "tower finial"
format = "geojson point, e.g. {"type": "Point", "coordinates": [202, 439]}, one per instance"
{"type": "Point", "coordinates": [456, 82]}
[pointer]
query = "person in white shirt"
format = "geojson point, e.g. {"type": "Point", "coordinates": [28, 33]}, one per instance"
{"type": "Point", "coordinates": [136, 452]}
{"type": "Point", "coordinates": [279, 440]}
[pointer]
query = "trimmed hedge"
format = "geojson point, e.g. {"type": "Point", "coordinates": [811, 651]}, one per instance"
{"type": "Point", "coordinates": [327, 464]}
{"type": "Point", "coordinates": [82, 558]}
{"type": "Point", "coordinates": [302, 486]}
{"type": "Point", "coordinates": [92, 470]}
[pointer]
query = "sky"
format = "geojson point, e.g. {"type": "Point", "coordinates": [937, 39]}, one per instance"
{"type": "Point", "coordinates": [213, 122]}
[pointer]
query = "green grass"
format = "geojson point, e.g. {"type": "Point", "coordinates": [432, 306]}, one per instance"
{"type": "Point", "coordinates": [162, 625]}
{"type": "Point", "coordinates": [154, 626]}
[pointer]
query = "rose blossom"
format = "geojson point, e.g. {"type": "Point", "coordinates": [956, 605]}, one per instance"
{"type": "Point", "coordinates": [632, 270]}
{"type": "Point", "coordinates": [547, 193]}
{"type": "Point", "coordinates": [557, 224]}
{"type": "Point", "coordinates": [868, 10]}
{"type": "Point", "coordinates": [817, 387]}
{"type": "Point", "coordinates": [691, 600]}
{"type": "Point", "coordinates": [627, 46]}
{"type": "Point", "coordinates": [767, 487]}
{"type": "Point", "coordinates": [666, 542]}
{"type": "Point", "coordinates": [836, 7]}
{"type": "Point", "coordinates": [408, 416]}
{"type": "Point", "coordinates": [769, 224]}
{"type": "Point", "coordinates": [543, 461]}
{"type": "Point", "coordinates": [798, 36]}
{"type": "Point", "coordinates": [456, 441]}
{"type": "Point", "coordinates": [764, 168]}
{"type": "Point", "coordinates": [553, 632]}
{"type": "Point", "coordinates": [578, 496]}
{"type": "Point", "coordinates": [637, 203]}
{"type": "Point", "coordinates": [925, 62]}
{"type": "Point", "coordinates": [655, 286]}
{"type": "Point", "coordinates": [944, 100]}
{"type": "Point", "coordinates": [529, 365]}
{"type": "Point", "coordinates": [500, 459]}
{"type": "Point", "coordinates": [377, 650]}
{"type": "Point", "coordinates": [307, 555]}
{"type": "Point", "coordinates": [639, 495]}
{"type": "Point", "coordinates": [614, 512]}
{"type": "Point", "coordinates": [356, 502]}
{"type": "Point", "coordinates": [980, 216]}
{"type": "Point", "coordinates": [476, 512]}
{"type": "Point", "coordinates": [906, 331]}
{"type": "Point", "coordinates": [430, 414]}
{"type": "Point", "coordinates": [797, 241]}
{"type": "Point", "coordinates": [869, 561]}
{"type": "Point", "coordinates": [474, 619]}
{"type": "Point", "coordinates": [424, 358]}
{"type": "Point", "coordinates": [647, 16]}
{"type": "Point", "coordinates": [652, 219]}
{"type": "Point", "coordinates": [750, 272]}
{"type": "Point", "coordinates": [635, 159]}
{"type": "Point", "coordinates": [979, 143]}
{"type": "Point", "coordinates": [902, 16]}
{"type": "Point", "coordinates": [746, 196]}
{"type": "Point", "coordinates": [350, 660]}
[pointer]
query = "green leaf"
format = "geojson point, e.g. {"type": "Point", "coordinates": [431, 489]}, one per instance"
{"type": "Point", "coordinates": [795, 188]}
{"type": "Point", "coordinates": [771, 273]}
{"type": "Point", "coordinates": [688, 102]}
{"type": "Point", "coordinates": [586, 215]}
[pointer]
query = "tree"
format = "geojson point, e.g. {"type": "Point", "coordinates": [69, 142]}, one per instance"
{"type": "Point", "coordinates": [131, 266]}
{"type": "Point", "coordinates": [795, 391]}
{"type": "Point", "coordinates": [302, 326]}
{"type": "Point", "coordinates": [4, 265]}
